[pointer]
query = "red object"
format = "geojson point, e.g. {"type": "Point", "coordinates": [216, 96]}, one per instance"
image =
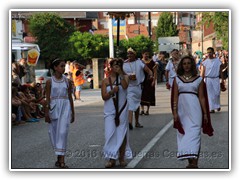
{"type": "Point", "coordinates": [168, 85]}
{"type": "Point", "coordinates": [41, 78]}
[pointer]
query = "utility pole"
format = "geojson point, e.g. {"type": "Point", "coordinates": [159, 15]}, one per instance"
{"type": "Point", "coordinates": [110, 33]}
{"type": "Point", "coordinates": [202, 36]}
{"type": "Point", "coordinates": [149, 25]}
{"type": "Point", "coordinates": [139, 23]}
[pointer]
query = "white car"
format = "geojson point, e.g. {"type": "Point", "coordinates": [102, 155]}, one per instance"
{"type": "Point", "coordinates": [41, 76]}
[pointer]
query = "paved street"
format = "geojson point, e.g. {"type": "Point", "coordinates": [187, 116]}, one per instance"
{"type": "Point", "coordinates": [154, 146]}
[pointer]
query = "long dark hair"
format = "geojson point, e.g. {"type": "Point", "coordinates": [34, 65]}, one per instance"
{"type": "Point", "coordinates": [180, 70]}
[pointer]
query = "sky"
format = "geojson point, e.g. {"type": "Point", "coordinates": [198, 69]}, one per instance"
{"type": "Point", "coordinates": [123, 4]}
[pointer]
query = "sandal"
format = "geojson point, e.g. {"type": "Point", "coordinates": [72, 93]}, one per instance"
{"type": "Point", "coordinates": [191, 166]}
{"type": "Point", "coordinates": [61, 165]}
{"type": "Point", "coordinates": [138, 125]}
{"type": "Point", "coordinates": [130, 126]}
{"type": "Point", "coordinates": [57, 164]}
{"type": "Point", "coordinates": [110, 164]}
{"type": "Point", "coordinates": [142, 113]}
{"type": "Point", "coordinates": [122, 163]}
{"type": "Point", "coordinates": [146, 113]}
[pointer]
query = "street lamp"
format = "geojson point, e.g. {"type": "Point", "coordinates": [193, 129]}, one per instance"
{"type": "Point", "coordinates": [119, 16]}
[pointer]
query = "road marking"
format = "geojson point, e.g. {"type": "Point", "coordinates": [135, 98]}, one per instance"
{"type": "Point", "coordinates": [94, 145]}
{"type": "Point", "coordinates": [133, 163]}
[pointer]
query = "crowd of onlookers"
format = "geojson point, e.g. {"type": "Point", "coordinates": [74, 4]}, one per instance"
{"type": "Point", "coordinates": [28, 100]}
{"type": "Point", "coordinates": [28, 103]}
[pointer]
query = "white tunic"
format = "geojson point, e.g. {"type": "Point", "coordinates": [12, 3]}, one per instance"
{"type": "Point", "coordinates": [60, 114]}
{"type": "Point", "coordinates": [190, 115]}
{"type": "Point", "coordinates": [134, 88]}
{"type": "Point", "coordinates": [171, 71]}
{"type": "Point", "coordinates": [114, 136]}
{"type": "Point", "coordinates": [212, 82]}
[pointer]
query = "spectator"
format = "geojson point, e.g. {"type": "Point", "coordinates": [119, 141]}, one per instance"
{"type": "Point", "coordinates": [27, 108]}
{"type": "Point", "coordinates": [15, 72]}
{"type": "Point", "coordinates": [22, 63]}
{"type": "Point", "coordinates": [67, 67]}
{"type": "Point", "coordinates": [78, 79]}
{"type": "Point", "coordinates": [16, 108]}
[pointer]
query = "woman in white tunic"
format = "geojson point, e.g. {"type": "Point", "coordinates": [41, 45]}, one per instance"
{"type": "Point", "coordinates": [116, 118]}
{"type": "Point", "coordinates": [189, 107]}
{"type": "Point", "coordinates": [59, 110]}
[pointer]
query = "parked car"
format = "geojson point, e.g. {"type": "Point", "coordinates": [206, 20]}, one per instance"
{"type": "Point", "coordinates": [42, 75]}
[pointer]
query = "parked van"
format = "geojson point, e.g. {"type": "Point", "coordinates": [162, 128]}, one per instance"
{"type": "Point", "coordinates": [21, 50]}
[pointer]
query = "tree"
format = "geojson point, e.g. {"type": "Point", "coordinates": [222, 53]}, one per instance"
{"type": "Point", "coordinates": [52, 33]}
{"type": "Point", "coordinates": [138, 43]}
{"type": "Point", "coordinates": [165, 27]}
{"type": "Point", "coordinates": [220, 22]}
{"type": "Point", "coordinates": [88, 46]}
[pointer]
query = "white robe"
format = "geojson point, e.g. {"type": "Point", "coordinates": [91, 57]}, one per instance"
{"type": "Point", "coordinates": [190, 115]}
{"type": "Point", "coordinates": [171, 72]}
{"type": "Point", "coordinates": [114, 136]}
{"type": "Point", "coordinates": [212, 82]}
{"type": "Point", "coordinates": [134, 88]}
{"type": "Point", "coordinates": [60, 115]}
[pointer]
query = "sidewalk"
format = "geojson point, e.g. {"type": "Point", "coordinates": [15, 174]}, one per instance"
{"type": "Point", "coordinates": [89, 96]}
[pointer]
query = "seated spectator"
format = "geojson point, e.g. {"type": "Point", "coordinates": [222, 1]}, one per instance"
{"type": "Point", "coordinates": [40, 99]}
{"type": "Point", "coordinates": [28, 105]}
{"type": "Point", "coordinates": [16, 108]}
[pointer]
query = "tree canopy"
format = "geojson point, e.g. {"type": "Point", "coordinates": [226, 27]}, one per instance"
{"type": "Point", "coordinates": [166, 26]}
{"type": "Point", "coordinates": [138, 43]}
{"type": "Point", "coordinates": [220, 22]}
{"type": "Point", "coordinates": [88, 46]}
{"type": "Point", "coordinates": [52, 33]}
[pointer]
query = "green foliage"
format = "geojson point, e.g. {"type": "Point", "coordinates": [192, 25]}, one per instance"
{"type": "Point", "coordinates": [166, 27]}
{"type": "Point", "coordinates": [52, 33]}
{"type": "Point", "coordinates": [88, 46]}
{"type": "Point", "coordinates": [138, 43]}
{"type": "Point", "coordinates": [220, 22]}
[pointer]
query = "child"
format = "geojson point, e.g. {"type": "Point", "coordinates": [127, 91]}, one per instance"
{"type": "Point", "coordinates": [59, 110]}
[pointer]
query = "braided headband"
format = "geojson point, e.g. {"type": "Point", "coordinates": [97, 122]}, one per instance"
{"type": "Point", "coordinates": [55, 60]}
